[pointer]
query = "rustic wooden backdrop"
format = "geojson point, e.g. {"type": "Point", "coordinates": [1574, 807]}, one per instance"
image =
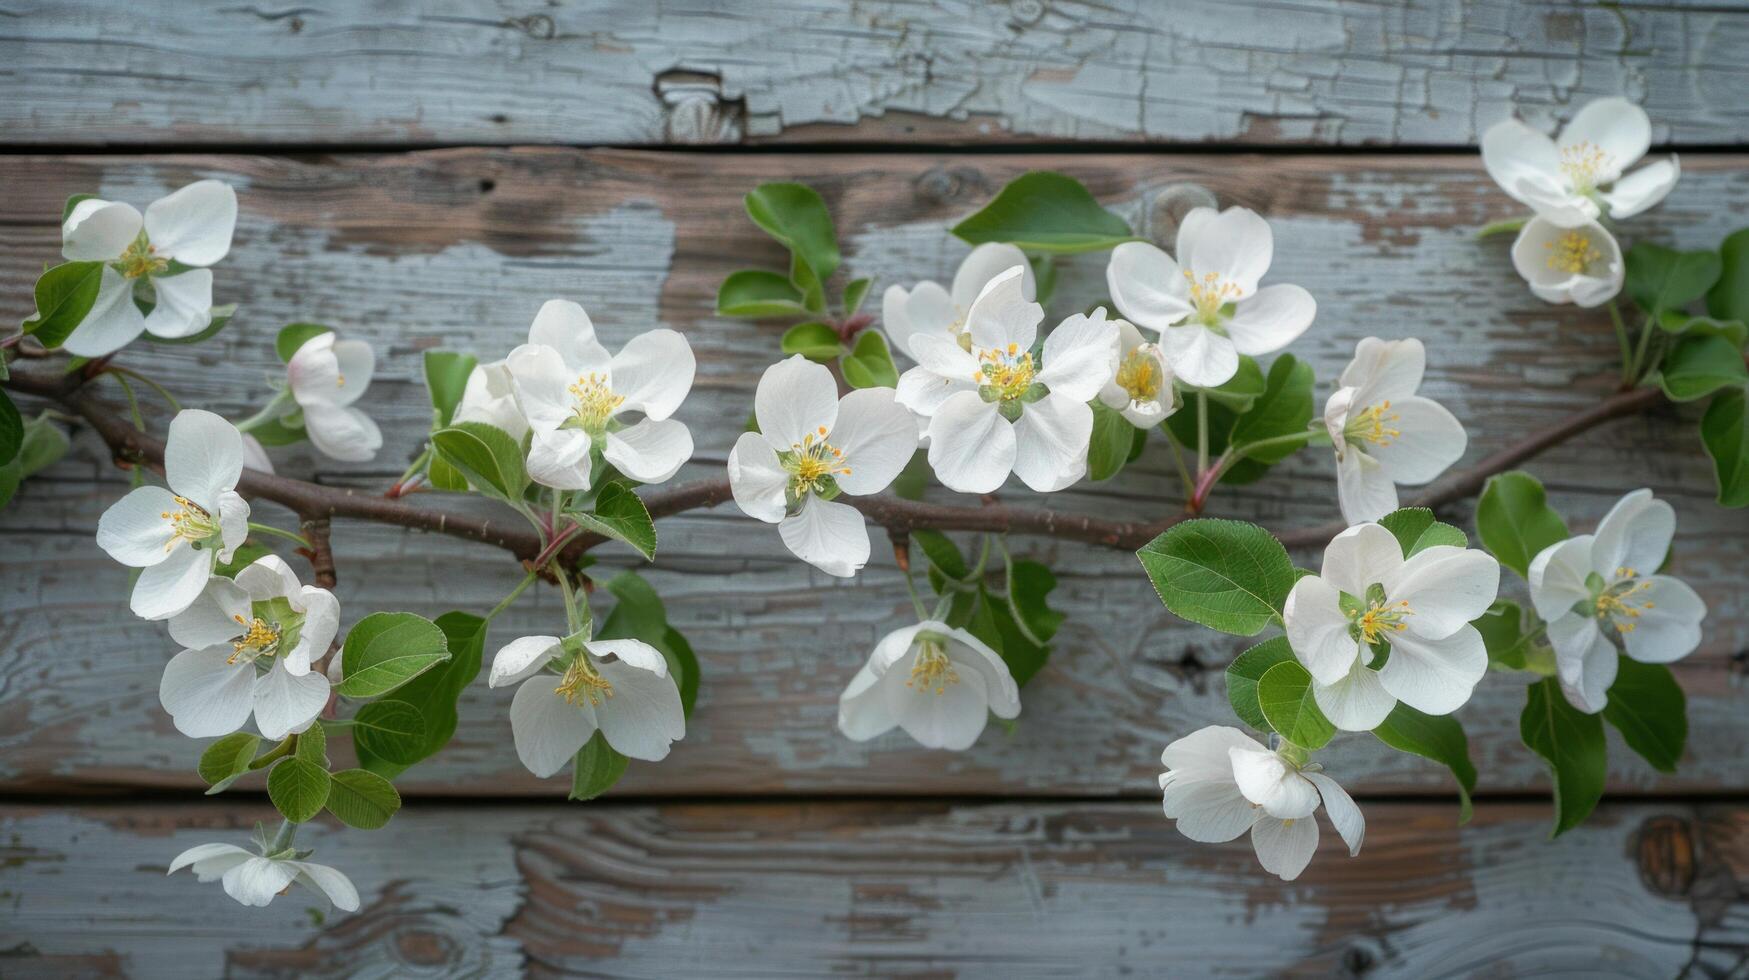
{"type": "Point", "coordinates": [425, 174]}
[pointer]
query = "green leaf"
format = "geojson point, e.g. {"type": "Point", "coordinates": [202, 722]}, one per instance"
{"type": "Point", "coordinates": [1284, 696]}
{"type": "Point", "coordinates": [814, 341]}
{"type": "Point", "coordinates": [1724, 430]}
{"type": "Point", "coordinates": [64, 295]}
{"type": "Point", "coordinates": [43, 446]}
{"type": "Point", "coordinates": [993, 621]}
{"type": "Point", "coordinates": [486, 456]}
{"type": "Point", "coordinates": [245, 555]}
{"type": "Point", "coordinates": [1284, 408]}
{"type": "Point", "coordinates": [295, 335]}
{"type": "Point", "coordinates": [1515, 521]}
{"type": "Point", "coordinates": [597, 767]}
{"type": "Point", "coordinates": [444, 476]}
{"type": "Point", "coordinates": [1029, 585]}
{"type": "Point", "coordinates": [1660, 278]}
{"type": "Point", "coordinates": [1226, 575]}
{"type": "Point", "coordinates": [870, 363]}
{"type": "Point", "coordinates": [1649, 709]}
{"type": "Point", "coordinates": [1675, 322]}
{"type": "Point", "coordinates": [942, 553]}
{"type": "Point", "coordinates": [1437, 737]}
{"type": "Point", "coordinates": [1044, 211]}
{"type": "Point", "coordinates": [298, 788]}
{"type": "Point", "coordinates": [221, 318]}
{"type": "Point", "coordinates": [386, 650]}
{"type": "Point", "coordinates": [433, 694]}
{"type": "Point", "coordinates": [11, 429]}
{"type": "Point", "coordinates": [811, 285]}
{"type": "Point", "coordinates": [796, 216]}
{"type": "Point", "coordinates": [1729, 297]}
{"type": "Point", "coordinates": [620, 514]}
{"type": "Point", "coordinates": [1502, 629]}
{"type": "Point", "coordinates": [1699, 366]}
{"type": "Point", "coordinates": [1572, 744]}
{"type": "Point", "coordinates": [855, 292]}
{"type": "Point", "coordinates": [757, 294]}
{"type": "Point", "coordinates": [390, 730]}
{"type": "Point", "coordinates": [639, 615]}
{"type": "Point", "coordinates": [1416, 530]}
{"type": "Point", "coordinates": [446, 378]}
{"type": "Point", "coordinates": [1109, 448]}
{"type": "Point", "coordinates": [1246, 670]}
{"type": "Point", "coordinates": [226, 760]}
{"type": "Point", "coordinates": [1044, 274]}
{"type": "Point", "coordinates": [280, 431]}
{"type": "Point", "coordinates": [362, 799]}
{"type": "Point", "coordinates": [312, 745]}
{"type": "Point", "coordinates": [1240, 391]}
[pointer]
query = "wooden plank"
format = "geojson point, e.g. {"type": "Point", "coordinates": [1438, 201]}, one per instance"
{"type": "Point", "coordinates": [913, 889]}
{"type": "Point", "coordinates": [626, 72]}
{"type": "Point", "coordinates": [458, 248]}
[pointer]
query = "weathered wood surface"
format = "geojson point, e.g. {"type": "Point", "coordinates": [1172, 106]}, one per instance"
{"type": "Point", "coordinates": [458, 248]}
{"type": "Point", "coordinates": [1252, 72]}
{"type": "Point", "coordinates": [890, 889]}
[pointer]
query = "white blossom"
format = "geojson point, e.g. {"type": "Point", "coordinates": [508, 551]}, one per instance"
{"type": "Point", "coordinates": [1601, 593]}
{"type": "Point", "coordinates": [570, 690]}
{"type": "Point", "coordinates": [1368, 599]}
{"type": "Point", "coordinates": [811, 446]}
{"type": "Point", "coordinates": [1384, 434]}
{"type": "Point", "coordinates": [255, 879]}
{"type": "Point", "coordinates": [938, 683]}
{"type": "Point", "coordinates": [1220, 782]}
{"type": "Point", "coordinates": [1207, 305]}
{"type": "Point", "coordinates": [929, 310]}
{"type": "Point", "coordinates": [169, 248]}
{"type": "Point", "coordinates": [255, 455]}
{"type": "Point", "coordinates": [1581, 265]}
{"type": "Point", "coordinates": [325, 376]}
{"type": "Point", "coordinates": [177, 535]}
{"type": "Point", "coordinates": [571, 392]}
{"type": "Point", "coordinates": [994, 409]}
{"type": "Point", "coordinates": [1142, 388]}
{"type": "Point", "coordinates": [249, 644]}
{"type": "Point", "coordinates": [1569, 181]}
{"type": "Point", "coordinates": [490, 397]}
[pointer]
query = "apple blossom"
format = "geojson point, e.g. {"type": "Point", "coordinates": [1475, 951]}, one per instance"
{"type": "Point", "coordinates": [169, 248]}
{"type": "Point", "coordinates": [1581, 265]}
{"type": "Point", "coordinates": [325, 376]}
{"type": "Point", "coordinates": [1568, 181]}
{"type": "Point", "coordinates": [255, 879]}
{"type": "Point", "coordinates": [1206, 305]}
{"type": "Point", "coordinates": [1600, 592]}
{"type": "Point", "coordinates": [571, 392]}
{"type": "Point", "coordinates": [1385, 434]}
{"type": "Point", "coordinates": [938, 683]}
{"type": "Point", "coordinates": [1141, 389]}
{"type": "Point", "coordinates": [811, 446]}
{"type": "Point", "coordinates": [177, 535]}
{"type": "Point", "coordinates": [490, 397]}
{"type": "Point", "coordinates": [255, 455]}
{"type": "Point", "coordinates": [249, 645]}
{"type": "Point", "coordinates": [571, 689]}
{"type": "Point", "coordinates": [1369, 603]}
{"type": "Point", "coordinates": [1220, 782]}
{"type": "Point", "coordinates": [994, 409]}
{"type": "Point", "coordinates": [931, 310]}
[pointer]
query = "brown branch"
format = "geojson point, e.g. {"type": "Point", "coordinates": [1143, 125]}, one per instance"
{"type": "Point", "coordinates": [317, 503]}
{"type": "Point", "coordinates": [320, 552]}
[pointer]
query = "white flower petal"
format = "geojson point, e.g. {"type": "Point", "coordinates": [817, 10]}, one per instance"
{"type": "Point", "coordinates": [210, 860]}
{"type": "Point", "coordinates": [211, 619]}
{"type": "Point", "coordinates": [1268, 781]}
{"type": "Point", "coordinates": [563, 326]}
{"type": "Point", "coordinates": [1445, 588]}
{"type": "Point", "coordinates": [112, 322]}
{"type": "Point", "coordinates": [796, 401]}
{"type": "Point", "coordinates": [356, 363]}
{"type": "Point", "coordinates": [548, 729]}
{"type": "Point", "coordinates": [985, 263]}
{"type": "Point", "coordinates": [931, 312]}
{"type": "Point", "coordinates": [172, 585]}
{"type": "Point", "coordinates": [1585, 661]}
{"type": "Point", "coordinates": [827, 535]}
{"type": "Point", "coordinates": [204, 694]}
{"type": "Point", "coordinates": [1344, 815]}
{"type": "Point", "coordinates": [971, 446]}
{"type": "Point", "coordinates": [233, 523]}
{"type": "Point", "coordinates": [1513, 154]}
{"type": "Point", "coordinates": [654, 372]}
{"type": "Point", "coordinates": [327, 882]}
{"type": "Point", "coordinates": [1360, 556]}
{"type": "Point", "coordinates": [1546, 255]}
{"type": "Point", "coordinates": [286, 702]}
{"type": "Point", "coordinates": [99, 231]}
{"type": "Point", "coordinates": [1210, 811]}
{"type": "Point", "coordinates": [757, 479]}
{"type": "Point", "coordinates": [1318, 631]}
{"type": "Point", "coordinates": [1643, 189]}
{"type": "Point", "coordinates": [203, 457]}
{"type": "Point", "coordinates": [1270, 320]}
{"type": "Point", "coordinates": [542, 386]}
{"type": "Point", "coordinates": [862, 708]}
{"type": "Point", "coordinates": [894, 320]}
{"type": "Point", "coordinates": [1080, 356]}
{"type": "Point", "coordinates": [490, 397]}
{"type": "Point", "coordinates": [644, 714]}
{"type": "Point", "coordinates": [1207, 752]}
{"type": "Point", "coordinates": [1051, 438]}
{"type": "Point", "coordinates": [194, 224]}
{"type": "Point", "coordinates": [321, 622]}
{"type": "Point", "coordinates": [256, 881]}
{"type": "Point", "coordinates": [950, 716]}
{"type": "Point", "coordinates": [635, 653]}
{"type": "Point", "coordinates": [134, 530]}
{"type": "Point", "coordinates": [650, 451]}
{"type": "Point", "coordinates": [313, 373]}
{"type": "Point", "coordinates": [1384, 370]}
{"type": "Point", "coordinates": [1614, 125]}
{"type": "Point", "coordinates": [1235, 245]}
{"type": "Point", "coordinates": [1146, 286]}
{"type": "Point", "coordinates": [1668, 627]}
{"type": "Point", "coordinates": [969, 653]}
{"type": "Point", "coordinates": [1357, 702]}
{"type": "Point", "coordinates": [184, 304]}
{"type": "Point", "coordinates": [560, 458]}
{"type": "Point", "coordinates": [877, 436]}
{"type": "Point", "coordinates": [1285, 847]}
{"type": "Point", "coordinates": [1199, 356]}
{"type": "Point", "coordinates": [343, 433]}
{"type": "Point", "coordinates": [1363, 488]}
{"type": "Point", "coordinates": [255, 455]}
{"type": "Point", "coordinates": [1003, 317]}
{"type": "Point", "coordinates": [1634, 534]}
{"type": "Point", "coordinates": [520, 659]}
{"type": "Point", "coordinates": [1557, 577]}
{"type": "Point", "coordinates": [1434, 676]}
{"type": "Point", "coordinates": [1430, 440]}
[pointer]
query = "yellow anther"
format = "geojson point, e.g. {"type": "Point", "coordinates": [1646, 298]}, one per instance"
{"type": "Point", "coordinates": [1584, 164]}
{"type": "Point", "coordinates": [1372, 424]}
{"type": "Point", "coordinates": [1572, 253]}
{"type": "Point", "coordinates": [141, 259]}
{"type": "Point", "coordinates": [932, 670]}
{"type": "Point", "coordinates": [188, 522]}
{"type": "Point", "coordinates": [1139, 374]}
{"type": "Point", "coordinates": [593, 401]}
{"type": "Point", "coordinates": [1381, 618]}
{"type": "Point", "coordinates": [1009, 374]}
{"type": "Point", "coordinates": [1209, 293]}
{"type": "Point", "coordinates": [583, 682]}
{"type": "Point", "coordinates": [260, 639]}
{"type": "Point", "coordinates": [812, 462]}
{"type": "Point", "coordinates": [1613, 607]}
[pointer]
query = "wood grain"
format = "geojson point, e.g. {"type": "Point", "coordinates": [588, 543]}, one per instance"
{"type": "Point", "coordinates": [629, 72]}
{"type": "Point", "coordinates": [767, 889]}
{"type": "Point", "coordinates": [457, 248]}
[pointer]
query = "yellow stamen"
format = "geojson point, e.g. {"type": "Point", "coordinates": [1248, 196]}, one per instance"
{"type": "Point", "coordinates": [813, 462]}
{"type": "Point", "coordinates": [141, 259]}
{"type": "Point", "coordinates": [1139, 374]}
{"type": "Point", "coordinates": [1381, 618]}
{"type": "Point", "coordinates": [188, 522]}
{"type": "Point", "coordinates": [932, 670]}
{"type": "Point", "coordinates": [1572, 253]}
{"type": "Point", "coordinates": [1372, 425]}
{"type": "Point", "coordinates": [1613, 607]}
{"type": "Point", "coordinates": [1584, 163]}
{"type": "Point", "coordinates": [1009, 372]}
{"type": "Point", "coordinates": [582, 681]}
{"type": "Point", "coordinates": [1209, 293]}
{"type": "Point", "coordinates": [593, 401]}
{"type": "Point", "coordinates": [259, 639]}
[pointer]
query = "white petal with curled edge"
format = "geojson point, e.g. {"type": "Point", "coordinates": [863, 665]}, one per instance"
{"type": "Point", "coordinates": [541, 385]}
{"type": "Point", "coordinates": [172, 585]}
{"type": "Point", "coordinates": [1199, 356]}
{"type": "Point", "coordinates": [321, 622]}
{"type": "Point", "coordinates": [342, 432]}
{"type": "Point", "coordinates": [1209, 811]}
{"type": "Point", "coordinates": [134, 530]}
{"type": "Point", "coordinates": [1430, 440]}
{"type": "Point", "coordinates": [1513, 153]}
{"type": "Point", "coordinates": [933, 313]}
{"type": "Point", "coordinates": [1285, 847]}
{"type": "Point", "coordinates": [256, 881]}
{"type": "Point", "coordinates": [194, 225]}
{"type": "Point", "coordinates": [1614, 125]}
{"type": "Point", "coordinates": [971, 446]}
{"type": "Point", "coordinates": [1385, 370]}
{"type": "Point", "coordinates": [757, 479]}
{"type": "Point", "coordinates": [185, 304]}
{"type": "Point", "coordinates": [949, 716]}
{"type": "Point", "coordinates": [1360, 556]}
{"type": "Point", "coordinates": [327, 882]}
{"type": "Point", "coordinates": [1585, 661]}
{"type": "Point", "coordinates": [1356, 703]}
{"type": "Point", "coordinates": [286, 702]}
{"type": "Point", "coordinates": [1002, 317]}
{"type": "Point", "coordinates": [1435, 677]}
{"type": "Point", "coordinates": [1272, 319]}
{"type": "Point", "coordinates": [233, 523]}
{"type": "Point", "coordinates": [99, 231]}
{"type": "Point", "coordinates": [1642, 189]}
{"type": "Point", "coordinates": [1445, 588]}
{"type": "Point", "coordinates": [894, 320]}
{"type": "Point", "coordinates": [203, 457]}
{"type": "Point", "coordinates": [1051, 436]}
{"type": "Point", "coordinates": [877, 436]}
{"type": "Point", "coordinates": [112, 322]}
{"type": "Point", "coordinates": [205, 694]}
{"type": "Point", "coordinates": [209, 860]}
{"type": "Point", "coordinates": [650, 451]}
{"type": "Point", "coordinates": [637, 653]}
{"type": "Point", "coordinates": [1146, 286]}
{"type": "Point", "coordinates": [972, 654]}
{"type": "Point", "coordinates": [520, 659]}
{"type": "Point", "coordinates": [313, 373]}
{"type": "Point", "coordinates": [560, 459]}
{"type": "Point", "coordinates": [212, 618]}
{"type": "Point", "coordinates": [862, 708]}
{"type": "Point", "coordinates": [1344, 815]}
{"type": "Point", "coordinates": [827, 535]}
{"type": "Point", "coordinates": [1668, 627]}
{"type": "Point", "coordinates": [923, 391]}
{"type": "Point", "coordinates": [654, 372]}
{"type": "Point", "coordinates": [563, 325]}
{"type": "Point", "coordinates": [796, 401]}
{"type": "Point", "coordinates": [1235, 245]}
{"type": "Point", "coordinates": [1363, 489]}
{"type": "Point", "coordinates": [644, 714]}
{"type": "Point", "coordinates": [1635, 534]}
{"type": "Point", "coordinates": [1318, 631]}
{"type": "Point", "coordinates": [548, 730]}
{"type": "Point", "coordinates": [985, 263]}
{"type": "Point", "coordinates": [1080, 356]}
{"type": "Point", "coordinates": [1268, 781]}
{"type": "Point", "coordinates": [356, 363]}
{"type": "Point", "coordinates": [1206, 752]}
{"type": "Point", "coordinates": [1557, 577]}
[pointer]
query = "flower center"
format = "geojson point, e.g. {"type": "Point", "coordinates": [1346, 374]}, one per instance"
{"type": "Point", "coordinates": [1613, 607]}
{"type": "Point", "coordinates": [813, 464]}
{"type": "Point", "coordinates": [1583, 163]}
{"type": "Point", "coordinates": [1139, 374]}
{"type": "Point", "coordinates": [932, 670]}
{"type": "Point", "coordinates": [1004, 374]}
{"type": "Point", "coordinates": [1382, 617]}
{"type": "Point", "coordinates": [141, 259]}
{"type": "Point", "coordinates": [188, 522]}
{"type": "Point", "coordinates": [260, 639]}
{"type": "Point", "coordinates": [1209, 293]}
{"type": "Point", "coordinates": [593, 402]}
{"type": "Point", "coordinates": [583, 682]}
{"type": "Point", "coordinates": [1373, 425]}
{"type": "Point", "coordinates": [1572, 253]}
